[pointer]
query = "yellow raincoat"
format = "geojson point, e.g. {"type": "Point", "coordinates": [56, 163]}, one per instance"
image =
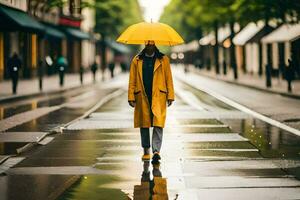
{"type": "Point", "coordinates": [162, 90]}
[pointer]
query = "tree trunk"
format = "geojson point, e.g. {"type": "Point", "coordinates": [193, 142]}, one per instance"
{"type": "Point", "coordinates": [244, 59]}
{"type": "Point", "coordinates": [216, 49]}
{"type": "Point", "coordinates": [103, 53]}
{"type": "Point", "coordinates": [260, 70]}
{"type": "Point", "coordinates": [269, 66]}
{"type": "Point", "coordinates": [269, 56]}
{"type": "Point", "coordinates": [232, 52]}
{"type": "Point", "coordinates": [224, 61]}
{"type": "Point", "coordinates": [281, 59]}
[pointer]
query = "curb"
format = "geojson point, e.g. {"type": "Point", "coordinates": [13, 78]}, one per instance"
{"type": "Point", "coordinates": [290, 95]}
{"type": "Point", "coordinates": [93, 109]}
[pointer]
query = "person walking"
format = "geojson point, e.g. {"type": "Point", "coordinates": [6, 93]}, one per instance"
{"type": "Point", "coordinates": [289, 74]}
{"type": "Point", "coordinates": [62, 64]}
{"type": "Point", "coordinates": [94, 69]}
{"type": "Point", "coordinates": [111, 67]}
{"type": "Point", "coordinates": [150, 88]}
{"type": "Point", "coordinates": [14, 64]}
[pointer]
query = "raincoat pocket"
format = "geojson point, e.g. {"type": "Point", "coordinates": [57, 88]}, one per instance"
{"type": "Point", "coordinates": [136, 92]}
{"type": "Point", "coordinates": [163, 91]}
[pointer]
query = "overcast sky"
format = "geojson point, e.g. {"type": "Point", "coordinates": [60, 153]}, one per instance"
{"type": "Point", "coordinates": [153, 9]}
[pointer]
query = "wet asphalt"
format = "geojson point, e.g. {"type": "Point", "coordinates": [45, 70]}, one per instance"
{"type": "Point", "coordinates": [210, 151]}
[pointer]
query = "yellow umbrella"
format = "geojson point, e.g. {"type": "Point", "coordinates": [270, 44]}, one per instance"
{"type": "Point", "coordinates": [160, 33]}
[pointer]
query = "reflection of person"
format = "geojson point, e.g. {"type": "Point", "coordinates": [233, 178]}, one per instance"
{"type": "Point", "coordinates": [151, 189]}
{"type": "Point", "coordinates": [150, 88]}
{"type": "Point", "coordinates": [14, 64]}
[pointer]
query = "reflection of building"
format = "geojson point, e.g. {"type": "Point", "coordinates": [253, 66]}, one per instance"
{"type": "Point", "coordinates": [38, 29]}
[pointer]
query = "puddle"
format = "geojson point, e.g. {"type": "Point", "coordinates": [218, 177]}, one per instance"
{"type": "Point", "coordinates": [272, 142]}
{"type": "Point", "coordinates": [8, 148]}
{"type": "Point", "coordinates": [93, 187]}
{"type": "Point", "coordinates": [146, 183]}
{"type": "Point", "coordinates": [33, 187]}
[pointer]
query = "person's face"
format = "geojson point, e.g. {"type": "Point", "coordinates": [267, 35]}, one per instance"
{"type": "Point", "coordinates": [150, 47]}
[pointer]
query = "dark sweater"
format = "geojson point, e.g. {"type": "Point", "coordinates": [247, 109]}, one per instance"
{"type": "Point", "coordinates": [148, 67]}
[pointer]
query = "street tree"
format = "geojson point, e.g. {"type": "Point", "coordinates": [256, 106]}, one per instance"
{"type": "Point", "coordinates": [112, 17]}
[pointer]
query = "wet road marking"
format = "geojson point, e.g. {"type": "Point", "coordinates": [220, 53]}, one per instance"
{"type": "Point", "coordinates": [95, 107]}
{"type": "Point", "coordinates": [241, 107]}
{"type": "Point", "coordinates": [22, 136]}
{"type": "Point", "coordinates": [64, 170]}
{"type": "Point", "coordinates": [24, 117]}
{"type": "Point", "coordinates": [46, 140]}
{"type": "Point", "coordinates": [10, 162]}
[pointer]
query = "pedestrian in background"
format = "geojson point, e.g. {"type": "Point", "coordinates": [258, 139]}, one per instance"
{"type": "Point", "coordinates": [14, 65]}
{"type": "Point", "coordinates": [150, 88]}
{"type": "Point", "coordinates": [289, 74]}
{"type": "Point", "coordinates": [62, 64]}
{"type": "Point", "coordinates": [41, 71]}
{"type": "Point", "coordinates": [111, 67]}
{"type": "Point", "coordinates": [94, 68]}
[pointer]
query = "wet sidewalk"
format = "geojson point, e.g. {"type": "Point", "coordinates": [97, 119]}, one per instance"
{"type": "Point", "coordinates": [210, 151]}
{"type": "Point", "coordinates": [279, 86]}
{"type": "Point", "coordinates": [277, 107]}
{"type": "Point", "coordinates": [50, 84]}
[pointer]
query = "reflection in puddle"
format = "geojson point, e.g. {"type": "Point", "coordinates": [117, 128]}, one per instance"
{"type": "Point", "coordinates": [272, 142]}
{"type": "Point", "coordinates": [7, 148]}
{"type": "Point", "coordinates": [155, 188]}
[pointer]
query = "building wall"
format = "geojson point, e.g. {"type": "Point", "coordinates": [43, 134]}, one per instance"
{"type": "Point", "coordinates": [19, 4]}
{"type": "Point", "coordinates": [252, 57]}
{"type": "Point", "coordinates": [88, 51]}
{"type": "Point", "coordinates": [287, 52]}
{"type": "Point", "coordinates": [239, 56]}
{"type": "Point", "coordinates": [1, 56]}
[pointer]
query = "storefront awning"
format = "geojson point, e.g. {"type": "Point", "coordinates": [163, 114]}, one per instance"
{"type": "Point", "coordinates": [191, 46]}
{"type": "Point", "coordinates": [120, 48]}
{"type": "Point", "coordinates": [208, 39]}
{"type": "Point", "coordinates": [284, 33]}
{"type": "Point", "coordinates": [77, 33]}
{"type": "Point", "coordinates": [247, 33]}
{"type": "Point", "coordinates": [53, 32]}
{"type": "Point", "coordinates": [17, 20]}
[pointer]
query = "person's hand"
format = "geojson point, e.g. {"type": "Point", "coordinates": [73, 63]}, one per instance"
{"type": "Point", "coordinates": [132, 103]}
{"type": "Point", "coordinates": [170, 102]}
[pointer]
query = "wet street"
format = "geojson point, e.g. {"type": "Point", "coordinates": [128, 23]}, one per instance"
{"type": "Point", "coordinates": [81, 144]}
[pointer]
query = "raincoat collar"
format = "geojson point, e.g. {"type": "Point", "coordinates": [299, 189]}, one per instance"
{"type": "Point", "coordinates": [157, 54]}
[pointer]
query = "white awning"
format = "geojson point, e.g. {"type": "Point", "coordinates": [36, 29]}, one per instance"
{"type": "Point", "coordinates": [247, 33]}
{"type": "Point", "coordinates": [224, 32]}
{"type": "Point", "coordinates": [208, 39]}
{"type": "Point", "coordinates": [285, 33]}
{"type": "Point", "coordinates": [191, 46]}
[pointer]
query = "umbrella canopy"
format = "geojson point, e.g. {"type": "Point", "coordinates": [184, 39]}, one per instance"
{"type": "Point", "coordinates": [140, 33]}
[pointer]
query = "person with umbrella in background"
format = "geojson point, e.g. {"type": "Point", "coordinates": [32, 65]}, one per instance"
{"type": "Point", "coordinates": [14, 64]}
{"type": "Point", "coordinates": [62, 64]}
{"type": "Point", "coordinates": [150, 86]}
